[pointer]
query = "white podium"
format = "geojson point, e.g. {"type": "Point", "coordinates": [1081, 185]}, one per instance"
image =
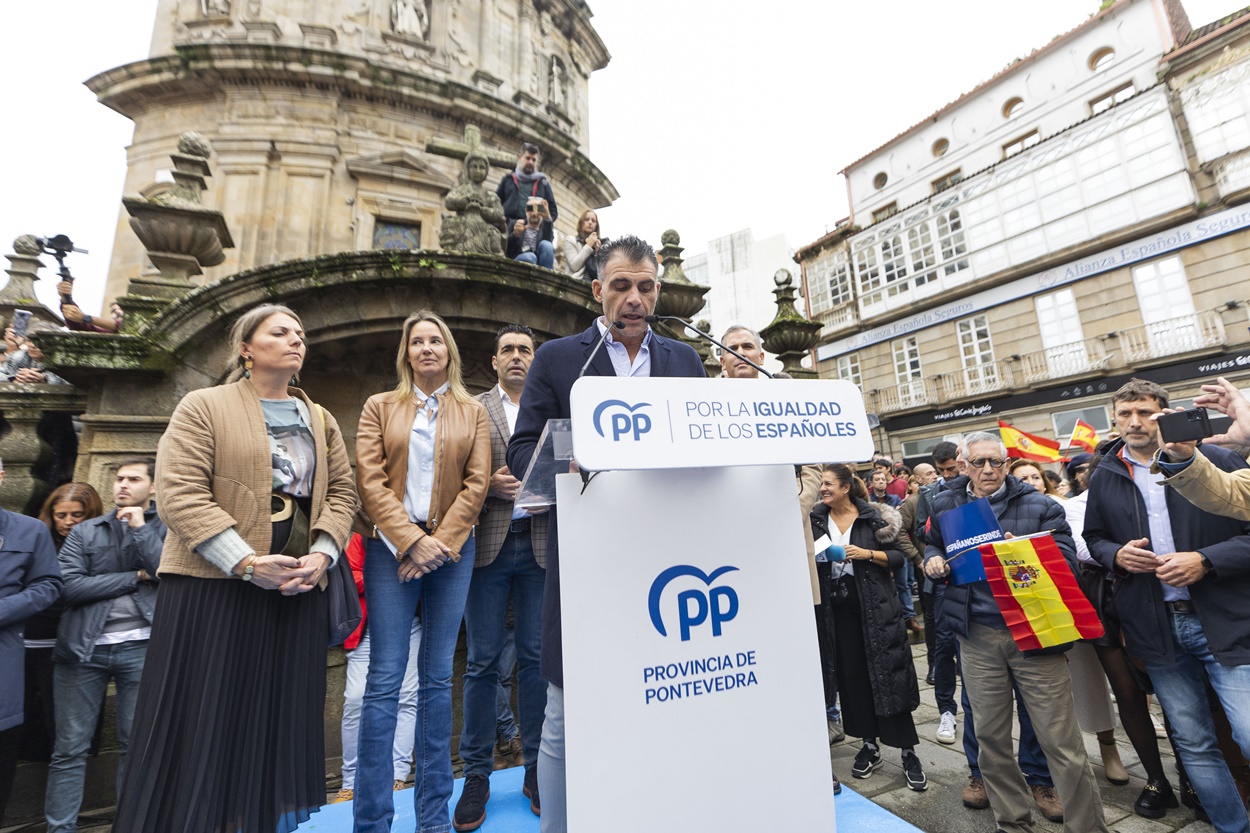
{"type": "Point", "coordinates": [692, 677]}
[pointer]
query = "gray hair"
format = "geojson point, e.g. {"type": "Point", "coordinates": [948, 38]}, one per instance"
{"type": "Point", "coordinates": [733, 328]}
{"type": "Point", "coordinates": [981, 437]}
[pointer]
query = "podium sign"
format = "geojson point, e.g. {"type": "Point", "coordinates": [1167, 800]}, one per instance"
{"type": "Point", "coordinates": [692, 682]}
{"type": "Point", "coordinates": [664, 423]}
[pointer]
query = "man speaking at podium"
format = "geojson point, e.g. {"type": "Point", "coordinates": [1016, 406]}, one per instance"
{"type": "Point", "coordinates": [628, 289]}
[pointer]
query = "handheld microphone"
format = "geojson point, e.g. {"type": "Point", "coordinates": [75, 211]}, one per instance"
{"type": "Point", "coordinates": [652, 319]}
{"type": "Point", "coordinates": [616, 325]}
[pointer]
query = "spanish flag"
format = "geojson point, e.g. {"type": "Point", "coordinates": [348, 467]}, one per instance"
{"type": "Point", "coordinates": [1028, 446]}
{"type": "Point", "coordinates": [1037, 592]}
{"type": "Point", "coordinates": [1083, 436]}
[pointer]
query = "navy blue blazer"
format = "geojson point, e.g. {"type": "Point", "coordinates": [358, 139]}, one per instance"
{"type": "Point", "coordinates": [546, 396]}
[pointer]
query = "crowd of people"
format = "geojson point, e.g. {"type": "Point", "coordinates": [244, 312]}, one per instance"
{"type": "Point", "coordinates": [199, 593]}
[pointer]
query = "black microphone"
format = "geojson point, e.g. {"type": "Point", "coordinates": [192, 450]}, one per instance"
{"type": "Point", "coordinates": [651, 319]}
{"type": "Point", "coordinates": [619, 325]}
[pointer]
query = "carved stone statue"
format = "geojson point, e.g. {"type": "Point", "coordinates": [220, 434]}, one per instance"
{"type": "Point", "coordinates": [558, 96]}
{"type": "Point", "coordinates": [215, 8]}
{"type": "Point", "coordinates": [475, 226]}
{"type": "Point", "coordinates": [411, 17]}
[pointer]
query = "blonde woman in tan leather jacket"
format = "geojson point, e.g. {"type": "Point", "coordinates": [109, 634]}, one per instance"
{"type": "Point", "coordinates": [422, 469]}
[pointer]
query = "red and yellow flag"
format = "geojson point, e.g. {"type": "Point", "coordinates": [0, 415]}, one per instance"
{"type": "Point", "coordinates": [1083, 436]}
{"type": "Point", "coordinates": [1028, 446]}
{"type": "Point", "coordinates": [1037, 593]}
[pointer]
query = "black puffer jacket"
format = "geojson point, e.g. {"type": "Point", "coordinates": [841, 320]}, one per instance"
{"type": "Point", "coordinates": [891, 672]}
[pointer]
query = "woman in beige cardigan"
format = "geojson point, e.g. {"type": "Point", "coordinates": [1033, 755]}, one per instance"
{"type": "Point", "coordinates": [256, 489]}
{"type": "Point", "coordinates": [422, 467]}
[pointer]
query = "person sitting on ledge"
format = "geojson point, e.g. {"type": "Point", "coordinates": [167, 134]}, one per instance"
{"type": "Point", "coordinates": [23, 363]}
{"type": "Point", "coordinates": [531, 238]}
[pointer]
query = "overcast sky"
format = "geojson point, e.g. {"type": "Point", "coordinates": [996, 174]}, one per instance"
{"type": "Point", "coordinates": [709, 119]}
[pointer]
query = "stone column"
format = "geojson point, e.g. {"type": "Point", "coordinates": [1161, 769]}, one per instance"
{"type": "Point", "coordinates": [790, 336]}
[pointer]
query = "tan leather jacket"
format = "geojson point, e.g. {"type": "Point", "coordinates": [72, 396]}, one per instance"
{"type": "Point", "coordinates": [461, 469]}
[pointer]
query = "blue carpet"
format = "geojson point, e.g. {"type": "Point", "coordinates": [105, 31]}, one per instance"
{"type": "Point", "coordinates": [509, 811]}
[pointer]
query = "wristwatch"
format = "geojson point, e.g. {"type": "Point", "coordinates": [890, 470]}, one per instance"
{"type": "Point", "coordinates": [1206, 562]}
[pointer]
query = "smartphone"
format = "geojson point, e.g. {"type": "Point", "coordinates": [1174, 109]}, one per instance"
{"type": "Point", "coordinates": [1185, 426]}
{"type": "Point", "coordinates": [21, 321]}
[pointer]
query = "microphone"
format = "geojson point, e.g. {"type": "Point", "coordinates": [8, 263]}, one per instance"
{"type": "Point", "coordinates": [618, 325]}
{"type": "Point", "coordinates": [651, 319]}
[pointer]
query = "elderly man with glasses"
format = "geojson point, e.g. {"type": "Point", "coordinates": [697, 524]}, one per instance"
{"type": "Point", "coordinates": [991, 660]}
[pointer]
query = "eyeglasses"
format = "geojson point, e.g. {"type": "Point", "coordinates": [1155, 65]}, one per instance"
{"type": "Point", "coordinates": [979, 462]}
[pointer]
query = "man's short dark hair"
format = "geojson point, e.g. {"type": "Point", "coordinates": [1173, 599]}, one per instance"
{"type": "Point", "coordinates": [147, 462]}
{"type": "Point", "coordinates": [513, 328]}
{"type": "Point", "coordinates": [944, 451]}
{"type": "Point", "coordinates": [1135, 390]}
{"type": "Point", "coordinates": [530, 147]}
{"type": "Point", "coordinates": [634, 249]}
{"type": "Point", "coordinates": [883, 462]}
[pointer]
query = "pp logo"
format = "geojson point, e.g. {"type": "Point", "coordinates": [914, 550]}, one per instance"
{"type": "Point", "coordinates": [694, 607]}
{"type": "Point", "coordinates": [624, 419]}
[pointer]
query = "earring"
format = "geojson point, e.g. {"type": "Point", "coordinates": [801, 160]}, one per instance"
{"type": "Point", "coordinates": [247, 367]}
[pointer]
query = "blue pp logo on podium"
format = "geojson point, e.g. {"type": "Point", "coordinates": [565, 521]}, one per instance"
{"type": "Point", "coordinates": [625, 421]}
{"type": "Point", "coordinates": [695, 607]}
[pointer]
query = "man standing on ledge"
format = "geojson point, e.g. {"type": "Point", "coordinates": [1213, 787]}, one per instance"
{"type": "Point", "coordinates": [628, 290]}
{"type": "Point", "coordinates": [526, 181]}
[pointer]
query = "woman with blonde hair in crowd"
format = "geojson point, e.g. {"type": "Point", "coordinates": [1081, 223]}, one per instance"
{"type": "Point", "coordinates": [579, 250]}
{"type": "Point", "coordinates": [422, 468]}
{"type": "Point", "coordinates": [1031, 473]}
{"type": "Point", "coordinates": [256, 489]}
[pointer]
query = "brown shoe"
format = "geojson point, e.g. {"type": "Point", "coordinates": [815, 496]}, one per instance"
{"type": "Point", "coordinates": [1048, 802]}
{"type": "Point", "coordinates": [914, 624]}
{"type": "Point", "coordinates": [508, 753]}
{"type": "Point", "coordinates": [343, 795]}
{"type": "Point", "coordinates": [399, 785]}
{"type": "Point", "coordinates": [975, 796]}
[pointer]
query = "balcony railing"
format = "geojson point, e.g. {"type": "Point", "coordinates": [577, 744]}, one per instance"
{"type": "Point", "coordinates": [838, 318]}
{"type": "Point", "coordinates": [915, 393]}
{"type": "Point", "coordinates": [1064, 361]}
{"type": "Point", "coordinates": [980, 380]}
{"type": "Point", "coordinates": [1186, 334]}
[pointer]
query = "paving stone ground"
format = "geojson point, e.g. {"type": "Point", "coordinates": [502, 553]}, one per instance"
{"type": "Point", "coordinates": [939, 809]}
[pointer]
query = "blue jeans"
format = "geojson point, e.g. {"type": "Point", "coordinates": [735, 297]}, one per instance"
{"type": "Point", "coordinates": [902, 583]}
{"type": "Point", "coordinates": [551, 772]}
{"type": "Point", "coordinates": [545, 257]}
{"type": "Point", "coordinates": [1031, 759]}
{"type": "Point", "coordinates": [945, 654]}
{"type": "Point", "coordinates": [392, 606]}
{"type": "Point", "coordinates": [80, 689]}
{"type": "Point", "coordinates": [505, 721]}
{"type": "Point", "coordinates": [1180, 687]}
{"type": "Point", "coordinates": [514, 571]}
{"type": "Point", "coordinates": [353, 696]}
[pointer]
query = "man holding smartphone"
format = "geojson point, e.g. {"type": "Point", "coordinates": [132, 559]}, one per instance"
{"type": "Point", "coordinates": [1183, 578]}
{"type": "Point", "coordinates": [531, 239]}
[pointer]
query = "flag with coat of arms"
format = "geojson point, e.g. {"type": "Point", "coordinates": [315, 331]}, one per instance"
{"type": "Point", "coordinates": [1028, 446]}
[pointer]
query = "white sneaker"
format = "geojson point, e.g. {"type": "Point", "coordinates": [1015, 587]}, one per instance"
{"type": "Point", "coordinates": [946, 728]}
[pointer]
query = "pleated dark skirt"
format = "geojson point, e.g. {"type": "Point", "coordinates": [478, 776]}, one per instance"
{"type": "Point", "coordinates": [228, 729]}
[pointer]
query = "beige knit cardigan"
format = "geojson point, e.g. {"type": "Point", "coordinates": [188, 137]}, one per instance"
{"type": "Point", "coordinates": [214, 471]}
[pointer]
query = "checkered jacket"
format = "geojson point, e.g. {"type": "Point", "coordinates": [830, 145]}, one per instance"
{"type": "Point", "coordinates": [496, 517]}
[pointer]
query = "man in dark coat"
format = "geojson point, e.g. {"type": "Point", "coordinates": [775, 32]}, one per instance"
{"type": "Point", "coordinates": [30, 581]}
{"type": "Point", "coordinates": [991, 661]}
{"type": "Point", "coordinates": [628, 289]}
{"type": "Point", "coordinates": [526, 181]}
{"type": "Point", "coordinates": [1183, 578]}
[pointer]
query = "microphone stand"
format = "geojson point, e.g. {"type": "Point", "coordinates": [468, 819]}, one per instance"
{"type": "Point", "coordinates": [651, 319]}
